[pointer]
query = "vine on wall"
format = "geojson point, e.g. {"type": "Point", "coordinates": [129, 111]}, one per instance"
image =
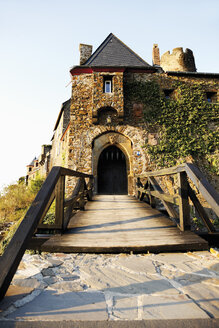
{"type": "Point", "coordinates": [186, 123]}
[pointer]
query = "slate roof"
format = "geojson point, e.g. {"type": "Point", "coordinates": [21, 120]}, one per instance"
{"type": "Point", "coordinates": [32, 163]}
{"type": "Point", "coordinates": [113, 52]}
{"type": "Point", "coordinates": [66, 108]}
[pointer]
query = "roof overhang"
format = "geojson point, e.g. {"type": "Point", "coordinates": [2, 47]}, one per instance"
{"type": "Point", "coordinates": [78, 70]}
{"type": "Point", "coordinates": [60, 114]}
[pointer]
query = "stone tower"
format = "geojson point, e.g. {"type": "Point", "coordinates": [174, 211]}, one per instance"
{"type": "Point", "coordinates": [178, 60]}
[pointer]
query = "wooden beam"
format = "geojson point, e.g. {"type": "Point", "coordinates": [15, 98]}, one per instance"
{"type": "Point", "coordinates": [60, 194]}
{"type": "Point", "coordinates": [65, 171]}
{"type": "Point", "coordinates": [167, 197]}
{"type": "Point", "coordinates": [184, 209]}
{"type": "Point", "coordinates": [201, 211]}
{"type": "Point", "coordinates": [205, 188]}
{"type": "Point", "coordinates": [90, 188]}
{"type": "Point", "coordinates": [82, 194]}
{"type": "Point", "coordinates": [171, 211]}
{"type": "Point", "coordinates": [168, 171]}
{"type": "Point", "coordinates": [70, 203]}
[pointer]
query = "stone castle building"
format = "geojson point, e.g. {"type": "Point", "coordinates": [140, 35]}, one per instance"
{"type": "Point", "coordinates": [99, 130]}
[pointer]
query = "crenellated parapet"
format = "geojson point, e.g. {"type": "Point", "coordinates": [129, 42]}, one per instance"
{"type": "Point", "coordinates": [178, 60]}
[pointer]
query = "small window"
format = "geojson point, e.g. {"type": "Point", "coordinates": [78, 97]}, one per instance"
{"type": "Point", "coordinates": [168, 93]}
{"type": "Point", "coordinates": [211, 97]}
{"type": "Point", "coordinates": [30, 169]}
{"type": "Point", "coordinates": [107, 86]}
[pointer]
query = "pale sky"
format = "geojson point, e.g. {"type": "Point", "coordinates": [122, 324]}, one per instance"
{"type": "Point", "coordinates": [39, 43]}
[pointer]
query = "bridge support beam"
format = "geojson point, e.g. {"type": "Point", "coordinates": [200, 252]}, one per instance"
{"type": "Point", "coordinates": [184, 209]}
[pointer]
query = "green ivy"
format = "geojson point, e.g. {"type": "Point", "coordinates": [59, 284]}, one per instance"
{"type": "Point", "coordinates": [185, 123]}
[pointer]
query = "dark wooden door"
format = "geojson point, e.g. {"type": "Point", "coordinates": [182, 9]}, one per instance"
{"type": "Point", "coordinates": [112, 173]}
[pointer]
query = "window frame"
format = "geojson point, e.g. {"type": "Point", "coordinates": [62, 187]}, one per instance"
{"type": "Point", "coordinates": [108, 84]}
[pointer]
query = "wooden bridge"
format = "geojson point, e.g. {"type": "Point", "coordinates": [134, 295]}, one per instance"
{"type": "Point", "coordinates": [112, 223]}
{"type": "Point", "coordinates": [120, 223]}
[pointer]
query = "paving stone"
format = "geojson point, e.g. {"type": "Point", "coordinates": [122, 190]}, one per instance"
{"type": "Point", "coordinates": [48, 272]}
{"type": "Point", "coordinates": [188, 279]}
{"type": "Point", "coordinates": [14, 293]}
{"type": "Point", "coordinates": [54, 262]}
{"type": "Point", "coordinates": [50, 280]}
{"type": "Point", "coordinates": [134, 287]}
{"type": "Point", "coordinates": [119, 281]}
{"type": "Point", "coordinates": [172, 258]}
{"type": "Point", "coordinates": [67, 286]}
{"type": "Point", "coordinates": [30, 282]}
{"type": "Point", "coordinates": [125, 307]}
{"type": "Point", "coordinates": [22, 266]}
{"type": "Point", "coordinates": [69, 277]}
{"type": "Point", "coordinates": [50, 306]}
{"type": "Point", "coordinates": [170, 307]}
{"type": "Point", "coordinates": [30, 271]}
{"type": "Point", "coordinates": [139, 264]}
{"type": "Point", "coordinates": [206, 296]}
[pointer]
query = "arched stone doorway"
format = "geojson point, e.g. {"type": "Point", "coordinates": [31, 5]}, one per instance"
{"type": "Point", "coordinates": [112, 172]}
{"type": "Point", "coordinates": [121, 142]}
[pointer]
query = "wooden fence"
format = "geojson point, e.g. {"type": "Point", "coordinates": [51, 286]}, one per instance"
{"type": "Point", "coordinates": [52, 189]}
{"type": "Point", "coordinates": [186, 173]}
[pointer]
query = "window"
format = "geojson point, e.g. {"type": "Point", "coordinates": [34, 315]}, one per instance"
{"type": "Point", "coordinates": [211, 97]}
{"type": "Point", "coordinates": [107, 86]}
{"type": "Point", "coordinates": [168, 93]}
{"type": "Point", "coordinates": [30, 169]}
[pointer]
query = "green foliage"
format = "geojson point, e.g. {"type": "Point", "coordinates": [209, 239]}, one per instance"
{"type": "Point", "coordinates": [9, 235]}
{"type": "Point", "coordinates": [36, 184]}
{"type": "Point", "coordinates": [50, 215]}
{"type": "Point", "coordinates": [185, 123]}
{"type": "Point", "coordinates": [15, 200]}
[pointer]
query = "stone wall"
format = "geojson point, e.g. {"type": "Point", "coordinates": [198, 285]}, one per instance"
{"type": "Point", "coordinates": [88, 125]}
{"type": "Point", "coordinates": [99, 120]}
{"type": "Point", "coordinates": [156, 55]}
{"type": "Point", "coordinates": [59, 152]}
{"type": "Point", "coordinates": [85, 52]}
{"type": "Point", "coordinates": [178, 60]}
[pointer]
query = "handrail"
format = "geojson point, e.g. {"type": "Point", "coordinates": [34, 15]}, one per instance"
{"type": "Point", "coordinates": [54, 182]}
{"type": "Point", "coordinates": [205, 188]}
{"type": "Point", "coordinates": [184, 171]}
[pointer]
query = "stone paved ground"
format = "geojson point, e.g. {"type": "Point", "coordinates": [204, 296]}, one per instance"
{"type": "Point", "coordinates": [90, 287]}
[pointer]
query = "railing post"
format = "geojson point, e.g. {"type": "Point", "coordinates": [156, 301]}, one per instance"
{"type": "Point", "coordinates": [184, 209]}
{"type": "Point", "coordinates": [138, 185]}
{"type": "Point", "coordinates": [60, 196]}
{"type": "Point", "coordinates": [151, 198]}
{"type": "Point", "coordinates": [81, 200]}
{"type": "Point", "coordinates": [90, 188]}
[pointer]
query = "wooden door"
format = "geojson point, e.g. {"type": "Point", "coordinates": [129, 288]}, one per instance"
{"type": "Point", "coordinates": [112, 173]}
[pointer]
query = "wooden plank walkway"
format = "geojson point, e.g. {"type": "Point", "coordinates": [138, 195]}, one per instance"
{"type": "Point", "coordinates": [120, 223]}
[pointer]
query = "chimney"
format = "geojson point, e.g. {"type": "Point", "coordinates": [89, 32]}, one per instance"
{"type": "Point", "coordinates": [85, 52]}
{"type": "Point", "coordinates": [156, 55]}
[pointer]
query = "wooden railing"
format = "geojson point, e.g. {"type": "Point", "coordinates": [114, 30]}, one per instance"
{"type": "Point", "coordinates": [186, 173]}
{"type": "Point", "coordinates": [52, 189]}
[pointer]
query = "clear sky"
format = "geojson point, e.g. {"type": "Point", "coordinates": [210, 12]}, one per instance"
{"type": "Point", "coordinates": [39, 43]}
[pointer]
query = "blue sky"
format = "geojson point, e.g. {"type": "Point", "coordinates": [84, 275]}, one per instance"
{"type": "Point", "coordinates": [39, 44]}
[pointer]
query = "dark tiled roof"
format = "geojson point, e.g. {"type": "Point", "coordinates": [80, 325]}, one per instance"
{"type": "Point", "coordinates": [32, 163]}
{"type": "Point", "coordinates": [66, 108]}
{"type": "Point", "coordinates": [113, 52]}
